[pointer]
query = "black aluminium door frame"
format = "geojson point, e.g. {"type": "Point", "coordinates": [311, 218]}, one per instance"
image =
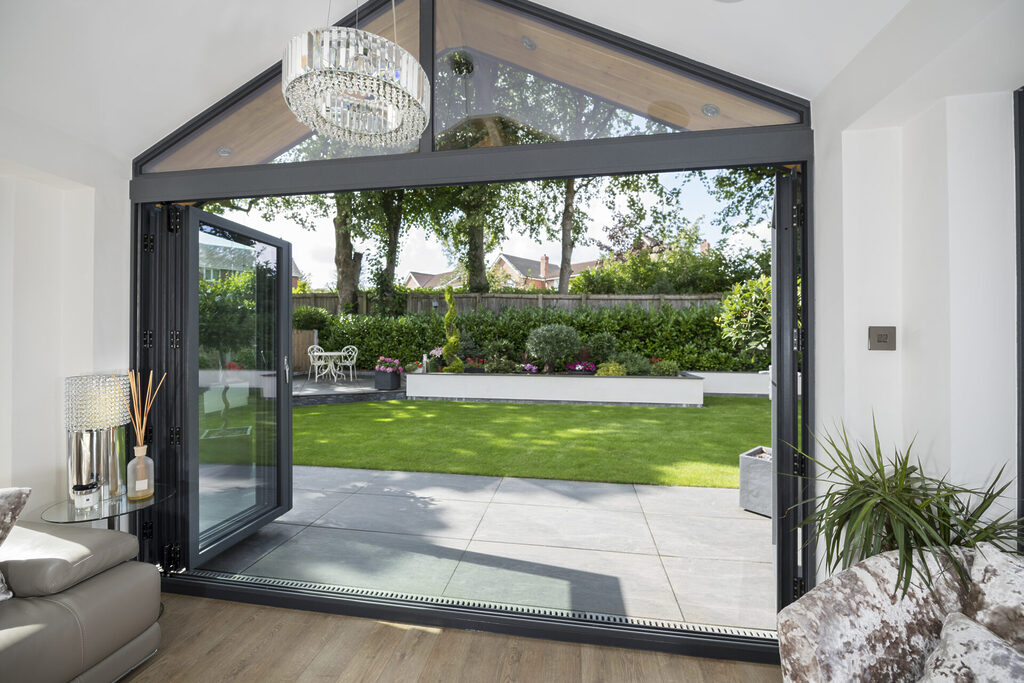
{"type": "Point", "coordinates": [197, 549]}
{"type": "Point", "coordinates": [775, 145]}
{"type": "Point", "coordinates": [1018, 143]}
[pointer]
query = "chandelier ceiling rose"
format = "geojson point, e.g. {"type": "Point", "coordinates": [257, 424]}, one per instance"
{"type": "Point", "coordinates": [353, 86]}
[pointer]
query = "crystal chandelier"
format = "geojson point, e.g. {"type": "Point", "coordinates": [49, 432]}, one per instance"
{"type": "Point", "coordinates": [356, 87]}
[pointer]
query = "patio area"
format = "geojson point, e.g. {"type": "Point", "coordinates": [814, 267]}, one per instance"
{"type": "Point", "coordinates": [664, 553]}
{"type": "Point", "coordinates": [307, 392]}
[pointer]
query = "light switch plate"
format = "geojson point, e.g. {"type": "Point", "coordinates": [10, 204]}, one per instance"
{"type": "Point", "coordinates": [881, 338]}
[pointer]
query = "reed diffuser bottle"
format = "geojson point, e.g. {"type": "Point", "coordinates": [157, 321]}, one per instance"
{"type": "Point", "coordinates": [141, 477]}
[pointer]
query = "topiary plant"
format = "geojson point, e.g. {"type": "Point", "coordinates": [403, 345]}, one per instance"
{"type": "Point", "coordinates": [635, 363]}
{"type": "Point", "coordinates": [611, 369]}
{"type": "Point", "coordinates": [553, 345]}
{"type": "Point", "coordinates": [450, 352]}
{"type": "Point", "coordinates": [665, 368]}
{"type": "Point", "coordinates": [601, 346]}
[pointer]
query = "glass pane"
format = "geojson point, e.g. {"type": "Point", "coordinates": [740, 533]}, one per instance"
{"type": "Point", "coordinates": [262, 130]}
{"type": "Point", "coordinates": [503, 78]}
{"type": "Point", "coordinates": [237, 378]}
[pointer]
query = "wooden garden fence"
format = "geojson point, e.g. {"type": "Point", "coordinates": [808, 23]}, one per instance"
{"type": "Point", "coordinates": [464, 302]}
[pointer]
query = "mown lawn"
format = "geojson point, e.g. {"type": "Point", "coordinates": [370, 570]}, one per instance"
{"type": "Point", "coordinates": [640, 445]}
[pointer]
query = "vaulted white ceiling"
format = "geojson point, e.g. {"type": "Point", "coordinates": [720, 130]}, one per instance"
{"type": "Point", "coordinates": [122, 74]}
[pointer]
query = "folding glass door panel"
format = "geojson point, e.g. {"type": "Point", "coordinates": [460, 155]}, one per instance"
{"type": "Point", "coordinates": [238, 416]}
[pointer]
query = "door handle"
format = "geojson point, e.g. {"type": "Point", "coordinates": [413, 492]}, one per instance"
{"type": "Point", "coordinates": [287, 371]}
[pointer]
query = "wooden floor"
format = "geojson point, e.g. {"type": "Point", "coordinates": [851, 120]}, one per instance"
{"type": "Point", "coordinates": [214, 640]}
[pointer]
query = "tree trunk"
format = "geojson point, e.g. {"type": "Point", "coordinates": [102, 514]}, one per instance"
{"type": "Point", "coordinates": [392, 209]}
{"type": "Point", "coordinates": [346, 259]}
{"type": "Point", "coordinates": [568, 213]}
{"type": "Point", "coordinates": [476, 267]}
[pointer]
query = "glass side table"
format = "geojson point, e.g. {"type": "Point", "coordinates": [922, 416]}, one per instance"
{"type": "Point", "coordinates": [65, 512]}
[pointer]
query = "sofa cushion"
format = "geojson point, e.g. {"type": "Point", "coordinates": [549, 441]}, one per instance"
{"type": "Point", "coordinates": [996, 600]}
{"type": "Point", "coordinates": [40, 640]}
{"type": "Point", "coordinates": [43, 559]}
{"type": "Point", "coordinates": [857, 626]}
{"type": "Point", "coordinates": [12, 502]}
{"type": "Point", "coordinates": [968, 651]}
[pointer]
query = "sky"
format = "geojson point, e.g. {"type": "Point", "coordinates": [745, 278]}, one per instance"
{"type": "Point", "coordinates": [313, 251]}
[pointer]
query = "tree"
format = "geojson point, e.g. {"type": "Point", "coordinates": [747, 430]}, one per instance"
{"type": "Point", "coordinates": [748, 195]}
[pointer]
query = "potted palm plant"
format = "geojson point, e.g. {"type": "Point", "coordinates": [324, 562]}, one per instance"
{"type": "Point", "coordinates": [874, 504]}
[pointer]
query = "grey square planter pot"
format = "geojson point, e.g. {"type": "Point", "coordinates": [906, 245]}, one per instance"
{"type": "Point", "coordinates": [756, 474]}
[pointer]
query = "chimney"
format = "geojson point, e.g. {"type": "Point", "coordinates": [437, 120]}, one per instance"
{"type": "Point", "coordinates": [705, 248]}
{"type": "Point", "coordinates": [544, 267]}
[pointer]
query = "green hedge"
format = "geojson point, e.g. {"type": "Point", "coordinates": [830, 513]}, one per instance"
{"type": "Point", "coordinates": [687, 336]}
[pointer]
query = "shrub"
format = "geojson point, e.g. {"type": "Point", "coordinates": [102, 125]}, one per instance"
{"type": "Point", "coordinates": [611, 369]}
{"type": "Point", "coordinates": [635, 363]}
{"type": "Point", "coordinates": [502, 365]}
{"type": "Point", "coordinates": [553, 345]}
{"type": "Point", "coordinates": [746, 318]}
{"type": "Point", "coordinates": [667, 368]}
{"type": "Point", "coordinates": [451, 347]}
{"type": "Point", "coordinates": [601, 345]}
{"type": "Point", "coordinates": [413, 367]}
{"type": "Point", "coordinates": [311, 318]}
{"type": "Point", "coordinates": [469, 348]}
{"type": "Point", "coordinates": [455, 366]}
{"type": "Point", "coordinates": [688, 336]}
{"type": "Point", "coordinates": [500, 349]}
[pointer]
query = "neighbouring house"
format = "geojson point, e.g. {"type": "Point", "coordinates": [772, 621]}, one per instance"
{"type": "Point", "coordinates": [509, 270]}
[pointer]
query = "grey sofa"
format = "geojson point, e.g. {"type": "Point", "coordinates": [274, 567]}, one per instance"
{"type": "Point", "coordinates": [83, 609]}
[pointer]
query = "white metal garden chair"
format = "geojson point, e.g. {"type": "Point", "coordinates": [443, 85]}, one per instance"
{"type": "Point", "coordinates": [319, 364]}
{"type": "Point", "coordinates": [347, 359]}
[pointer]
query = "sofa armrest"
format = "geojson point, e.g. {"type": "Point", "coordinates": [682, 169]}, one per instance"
{"type": "Point", "coordinates": [856, 626]}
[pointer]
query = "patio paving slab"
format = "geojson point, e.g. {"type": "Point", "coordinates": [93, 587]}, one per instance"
{"type": "Point", "coordinates": [586, 529]}
{"type": "Point", "coordinates": [563, 578]}
{"type": "Point", "coordinates": [332, 478]}
{"type": "Point", "coordinates": [724, 592]}
{"type": "Point", "coordinates": [569, 494]}
{"type": "Point", "coordinates": [242, 555]}
{"type": "Point", "coordinates": [310, 505]}
{"type": "Point", "coordinates": [434, 485]}
{"type": "Point", "coordinates": [691, 500]}
{"type": "Point", "coordinates": [406, 515]}
{"type": "Point", "coordinates": [713, 537]}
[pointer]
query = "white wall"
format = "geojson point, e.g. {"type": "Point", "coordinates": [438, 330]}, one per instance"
{"type": "Point", "coordinates": [914, 226]}
{"type": "Point", "coordinates": [64, 260]}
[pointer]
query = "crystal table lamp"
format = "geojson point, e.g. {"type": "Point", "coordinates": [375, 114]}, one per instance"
{"type": "Point", "coordinates": [94, 413]}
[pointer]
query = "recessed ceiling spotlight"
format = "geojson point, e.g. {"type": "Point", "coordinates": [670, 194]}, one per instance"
{"type": "Point", "coordinates": [528, 43]}
{"type": "Point", "coordinates": [225, 152]}
{"type": "Point", "coordinates": [710, 110]}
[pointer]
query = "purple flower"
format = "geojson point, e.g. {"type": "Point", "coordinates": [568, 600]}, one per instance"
{"type": "Point", "coordinates": [529, 368]}
{"type": "Point", "coordinates": [436, 352]}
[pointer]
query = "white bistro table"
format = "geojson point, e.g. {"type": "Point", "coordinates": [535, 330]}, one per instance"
{"type": "Point", "coordinates": [333, 357]}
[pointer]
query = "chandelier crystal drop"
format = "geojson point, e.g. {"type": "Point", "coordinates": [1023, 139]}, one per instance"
{"type": "Point", "coordinates": [356, 87]}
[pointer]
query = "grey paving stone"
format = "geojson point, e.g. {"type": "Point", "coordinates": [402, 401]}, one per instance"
{"type": "Point", "coordinates": [406, 515]}
{"type": "Point", "coordinates": [308, 506]}
{"type": "Point", "coordinates": [571, 494]}
{"type": "Point", "coordinates": [434, 485]}
{"type": "Point", "coordinates": [563, 578]}
{"type": "Point", "coordinates": [331, 478]}
{"type": "Point", "coordinates": [724, 592]}
{"type": "Point", "coordinates": [692, 500]}
{"type": "Point", "coordinates": [240, 556]}
{"type": "Point", "coordinates": [362, 559]}
{"type": "Point", "coordinates": [583, 528]}
{"type": "Point", "coordinates": [713, 537]}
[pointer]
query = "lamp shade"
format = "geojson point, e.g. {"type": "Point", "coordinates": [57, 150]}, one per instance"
{"type": "Point", "coordinates": [95, 402]}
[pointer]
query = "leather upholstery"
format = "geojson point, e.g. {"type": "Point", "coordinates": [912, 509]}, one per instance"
{"type": "Point", "coordinates": [43, 559]}
{"type": "Point", "coordinates": [141, 648]}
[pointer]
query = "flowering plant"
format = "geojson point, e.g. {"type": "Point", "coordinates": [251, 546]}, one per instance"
{"type": "Point", "coordinates": [385, 364]}
{"type": "Point", "coordinates": [580, 366]}
{"type": "Point", "coordinates": [437, 351]}
{"type": "Point", "coordinates": [475, 362]}
{"type": "Point", "coordinates": [232, 365]}
{"type": "Point", "coordinates": [527, 367]}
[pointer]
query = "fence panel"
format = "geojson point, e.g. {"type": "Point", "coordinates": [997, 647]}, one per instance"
{"type": "Point", "coordinates": [421, 302]}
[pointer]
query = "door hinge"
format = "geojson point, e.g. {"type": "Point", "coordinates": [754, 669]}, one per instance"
{"type": "Point", "coordinates": [799, 216]}
{"type": "Point", "coordinates": [175, 339]}
{"type": "Point", "coordinates": [147, 339]}
{"type": "Point", "coordinates": [146, 531]}
{"type": "Point", "coordinates": [797, 346]}
{"type": "Point", "coordinates": [799, 586]}
{"type": "Point", "coordinates": [175, 436]}
{"type": "Point", "coordinates": [799, 465]}
{"type": "Point", "coordinates": [148, 243]}
{"type": "Point", "coordinates": [172, 559]}
{"type": "Point", "coordinates": [174, 219]}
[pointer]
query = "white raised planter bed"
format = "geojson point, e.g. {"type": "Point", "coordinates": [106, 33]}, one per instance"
{"type": "Point", "coordinates": [683, 391]}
